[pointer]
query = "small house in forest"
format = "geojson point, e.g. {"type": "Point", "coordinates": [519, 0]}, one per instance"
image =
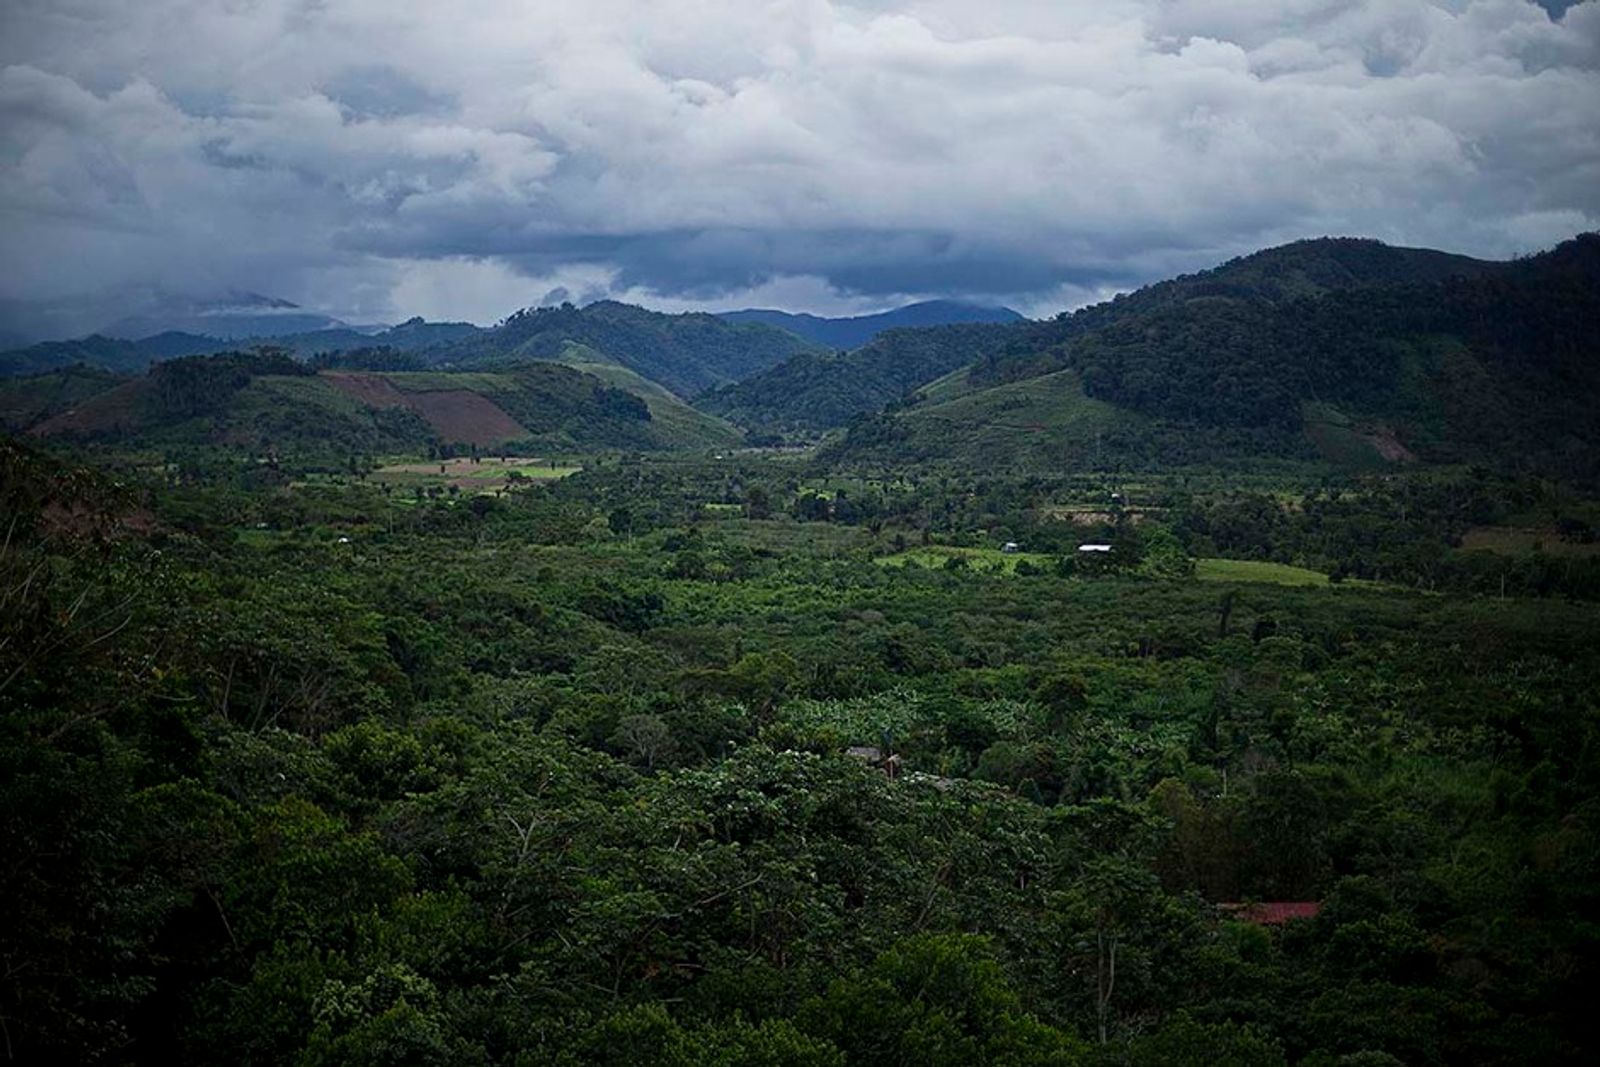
{"type": "Point", "coordinates": [1094, 548]}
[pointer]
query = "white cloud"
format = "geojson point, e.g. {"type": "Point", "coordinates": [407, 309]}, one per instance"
{"type": "Point", "coordinates": [445, 158]}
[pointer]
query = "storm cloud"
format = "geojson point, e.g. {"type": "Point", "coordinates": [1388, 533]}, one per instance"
{"type": "Point", "coordinates": [376, 160]}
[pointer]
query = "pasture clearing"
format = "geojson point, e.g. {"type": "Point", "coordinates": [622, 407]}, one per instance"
{"type": "Point", "coordinates": [1517, 540]}
{"type": "Point", "coordinates": [483, 475]}
{"type": "Point", "coordinates": [1263, 571]}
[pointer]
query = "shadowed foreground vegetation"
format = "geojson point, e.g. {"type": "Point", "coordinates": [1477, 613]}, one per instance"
{"type": "Point", "coordinates": [325, 773]}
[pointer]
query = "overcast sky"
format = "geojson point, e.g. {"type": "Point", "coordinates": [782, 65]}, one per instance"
{"type": "Point", "coordinates": [377, 159]}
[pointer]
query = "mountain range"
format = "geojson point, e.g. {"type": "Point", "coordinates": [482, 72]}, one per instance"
{"type": "Point", "coordinates": [1343, 351]}
{"type": "Point", "coordinates": [689, 353]}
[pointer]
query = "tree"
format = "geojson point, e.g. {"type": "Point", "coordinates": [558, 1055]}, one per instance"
{"type": "Point", "coordinates": [644, 739]}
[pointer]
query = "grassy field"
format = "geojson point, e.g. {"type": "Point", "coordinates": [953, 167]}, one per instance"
{"type": "Point", "coordinates": [1250, 570]}
{"type": "Point", "coordinates": [988, 559]}
{"type": "Point", "coordinates": [1515, 540]}
{"type": "Point", "coordinates": [952, 386]}
{"type": "Point", "coordinates": [488, 474]}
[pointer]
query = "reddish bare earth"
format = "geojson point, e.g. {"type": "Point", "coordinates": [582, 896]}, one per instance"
{"type": "Point", "coordinates": [371, 390]}
{"type": "Point", "coordinates": [111, 410]}
{"type": "Point", "coordinates": [1389, 446]}
{"type": "Point", "coordinates": [466, 417]}
{"type": "Point", "coordinates": [458, 415]}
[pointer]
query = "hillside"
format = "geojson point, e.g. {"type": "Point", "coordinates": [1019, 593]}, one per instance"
{"type": "Point", "coordinates": [1495, 365]}
{"type": "Point", "coordinates": [685, 353]}
{"type": "Point", "coordinates": [27, 401]}
{"type": "Point", "coordinates": [273, 404]}
{"type": "Point", "coordinates": [856, 330]}
{"type": "Point", "coordinates": [815, 391]}
{"type": "Point", "coordinates": [133, 357]}
{"type": "Point", "coordinates": [105, 353]}
{"type": "Point", "coordinates": [689, 427]}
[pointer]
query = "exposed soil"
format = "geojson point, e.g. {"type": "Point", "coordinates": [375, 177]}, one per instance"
{"type": "Point", "coordinates": [370, 389]}
{"type": "Point", "coordinates": [78, 521]}
{"type": "Point", "coordinates": [465, 417]}
{"type": "Point", "coordinates": [118, 407]}
{"type": "Point", "coordinates": [459, 416]}
{"type": "Point", "coordinates": [1389, 447]}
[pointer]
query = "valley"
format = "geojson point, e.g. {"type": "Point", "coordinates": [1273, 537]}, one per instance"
{"type": "Point", "coordinates": [610, 686]}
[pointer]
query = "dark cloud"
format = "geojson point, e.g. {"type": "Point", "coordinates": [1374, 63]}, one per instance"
{"type": "Point", "coordinates": [465, 159]}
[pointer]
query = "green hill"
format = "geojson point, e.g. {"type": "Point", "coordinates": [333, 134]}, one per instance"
{"type": "Point", "coordinates": [274, 404]}
{"type": "Point", "coordinates": [105, 353]}
{"type": "Point", "coordinates": [689, 427]}
{"type": "Point", "coordinates": [686, 353]}
{"type": "Point", "coordinates": [1495, 365]}
{"type": "Point", "coordinates": [30, 400]}
{"type": "Point", "coordinates": [815, 391]}
{"type": "Point", "coordinates": [133, 357]}
{"type": "Point", "coordinates": [1044, 422]}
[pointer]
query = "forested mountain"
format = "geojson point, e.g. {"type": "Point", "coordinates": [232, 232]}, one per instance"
{"type": "Point", "coordinates": [817, 390]}
{"type": "Point", "coordinates": [856, 330]}
{"type": "Point", "coordinates": [105, 353]}
{"type": "Point", "coordinates": [686, 353]}
{"type": "Point", "coordinates": [132, 357]}
{"type": "Point", "coordinates": [270, 403]}
{"type": "Point", "coordinates": [1276, 355]}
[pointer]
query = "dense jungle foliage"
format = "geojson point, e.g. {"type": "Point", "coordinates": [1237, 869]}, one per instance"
{"type": "Point", "coordinates": [308, 770]}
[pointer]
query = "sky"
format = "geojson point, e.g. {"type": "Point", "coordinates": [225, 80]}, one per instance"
{"type": "Point", "coordinates": [377, 160]}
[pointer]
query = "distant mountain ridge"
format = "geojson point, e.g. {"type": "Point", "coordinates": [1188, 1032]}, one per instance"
{"type": "Point", "coordinates": [133, 313]}
{"type": "Point", "coordinates": [857, 330]}
{"type": "Point", "coordinates": [134, 357]}
{"type": "Point", "coordinates": [686, 353]}
{"type": "Point", "coordinates": [816, 391]}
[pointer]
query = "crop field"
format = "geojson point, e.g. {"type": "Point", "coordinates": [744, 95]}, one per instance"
{"type": "Point", "coordinates": [486, 474]}
{"type": "Point", "coordinates": [1251, 570]}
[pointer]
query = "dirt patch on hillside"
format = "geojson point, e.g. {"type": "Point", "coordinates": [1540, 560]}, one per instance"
{"type": "Point", "coordinates": [1389, 447]}
{"type": "Point", "coordinates": [79, 521]}
{"type": "Point", "coordinates": [466, 417]}
{"type": "Point", "coordinates": [458, 415]}
{"type": "Point", "coordinates": [371, 390]}
{"type": "Point", "coordinates": [114, 409]}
